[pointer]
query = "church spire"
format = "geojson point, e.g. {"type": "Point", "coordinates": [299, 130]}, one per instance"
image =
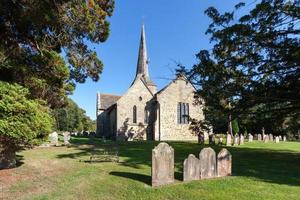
{"type": "Point", "coordinates": [142, 64]}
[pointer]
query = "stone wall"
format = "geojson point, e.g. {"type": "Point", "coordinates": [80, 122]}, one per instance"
{"type": "Point", "coordinates": [137, 95]}
{"type": "Point", "coordinates": [166, 126]}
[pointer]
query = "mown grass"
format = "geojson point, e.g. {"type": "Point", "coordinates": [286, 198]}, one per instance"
{"type": "Point", "coordinates": [260, 171]}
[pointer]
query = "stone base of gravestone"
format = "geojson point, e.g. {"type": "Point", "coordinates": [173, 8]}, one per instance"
{"type": "Point", "coordinates": [224, 163]}
{"type": "Point", "coordinates": [208, 165]}
{"type": "Point", "coordinates": [191, 168]}
{"type": "Point", "coordinates": [162, 165]}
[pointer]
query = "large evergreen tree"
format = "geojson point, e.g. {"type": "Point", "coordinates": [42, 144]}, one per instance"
{"type": "Point", "coordinates": [254, 65]}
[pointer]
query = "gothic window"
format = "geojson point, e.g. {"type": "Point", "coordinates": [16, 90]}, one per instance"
{"type": "Point", "coordinates": [134, 114]}
{"type": "Point", "coordinates": [146, 117]}
{"type": "Point", "coordinates": [183, 113]}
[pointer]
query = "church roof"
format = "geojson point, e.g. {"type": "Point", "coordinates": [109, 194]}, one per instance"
{"type": "Point", "coordinates": [107, 100]}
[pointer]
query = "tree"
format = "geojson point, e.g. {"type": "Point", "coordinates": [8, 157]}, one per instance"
{"type": "Point", "coordinates": [72, 118]}
{"type": "Point", "coordinates": [235, 127]}
{"type": "Point", "coordinates": [34, 34]}
{"type": "Point", "coordinates": [254, 62]}
{"type": "Point", "coordinates": [23, 122]}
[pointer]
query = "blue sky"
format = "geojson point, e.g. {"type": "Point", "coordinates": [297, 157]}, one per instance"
{"type": "Point", "coordinates": [175, 32]}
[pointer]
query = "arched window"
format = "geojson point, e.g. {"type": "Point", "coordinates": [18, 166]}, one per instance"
{"type": "Point", "coordinates": [134, 114]}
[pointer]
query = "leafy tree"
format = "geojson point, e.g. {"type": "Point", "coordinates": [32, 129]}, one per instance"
{"type": "Point", "coordinates": [235, 127]}
{"type": "Point", "coordinates": [253, 67]}
{"type": "Point", "coordinates": [34, 34]}
{"type": "Point", "coordinates": [23, 122]}
{"type": "Point", "coordinates": [72, 118]}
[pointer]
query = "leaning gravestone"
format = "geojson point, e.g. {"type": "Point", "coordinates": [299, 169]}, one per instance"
{"type": "Point", "coordinates": [208, 167]}
{"type": "Point", "coordinates": [191, 168]}
{"type": "Point", "coordinates": [276, 139]}
{"type": "Point", "coordinates": [162, 164]}
{"type": "Point", "coordinates": [250, 138]}
{"type": "Point", "coordinates": [236, 140]}
{"type": "Point", "coordinates": [259, 137]}
{"type": "Point", "coordinates": [54, 138]}
{"type": "Point", "coordinates": [241, 140]}
{"type": "Point", "coordinates": [266, 139]}
{"type": "Point", "coordinates": [66, 138]}
{"type": "Point", "coordinates": [228, 140]}
{"type": "Point", "coordinates": [224, 163]}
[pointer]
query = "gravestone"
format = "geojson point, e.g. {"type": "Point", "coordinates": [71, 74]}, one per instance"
{"type": "Point", "coordinates": [67, 138]}
{"type": "Point", "coordinates": [54, 138]}
{"type": "Point", "coordinates": [220, 141]}
{"type": "Point", "coordinates": [284, 138]}
{"type": "Point", "coordinates": [271, 137]}
{"type": "Point", "coordinates": [266, 139]}
{"type": "Point", "coordinates": [280, 137]}
{"type": "Point", "coordinates": [212, 139]}
{"type": "Point", "coordinates": [259, 137]}
{"type": "Point", "coordinates": [250, 138]}
{"type": "Point", "coordinates": [208, 167]}
{"type": "Point", "coordinates": [228, 140]}
{"type": "Point", "coordinates": [241, 140]}
{"type": "Point", "coordinates": [224, 163]}
{"type": "Point", "coordinates": [236, 140]}
{"type": "Point", "coordinates": [162, 164]}
{"type": "Point", "coordinates": [191, 168]}
{"type": "Point", "coordinates": [276, 139]}
{"type": "Point", "coordinates": [201, 138]}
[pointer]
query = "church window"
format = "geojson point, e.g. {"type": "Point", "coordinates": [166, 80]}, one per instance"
{"type": "Point", "coordinates": [182, 113]}
{"type": "Point", "coordinates": [134, 114]}
{"type": "Point", "coordinates": [146, 117]}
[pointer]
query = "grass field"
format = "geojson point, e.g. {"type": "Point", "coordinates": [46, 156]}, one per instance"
{"type": "Point", "coordinates": [260, 171]}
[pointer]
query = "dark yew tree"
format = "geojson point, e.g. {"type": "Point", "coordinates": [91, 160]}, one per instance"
{"type": "Point", "coordinates": [254, 65]}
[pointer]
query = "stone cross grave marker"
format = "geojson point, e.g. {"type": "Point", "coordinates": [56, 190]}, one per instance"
{"type": "Point", "coordinates": [191, 168]}
{"type": "Point", "coordinates": [208, 166]}
{"type": "Point", "coordinates": [162, 165]}
{"type": "Point", "coordinates": [224, 163]}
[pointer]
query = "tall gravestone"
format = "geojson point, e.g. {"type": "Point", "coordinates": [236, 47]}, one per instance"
{"type": "Point", "coordinates": [259, 137]}
{"type": "Point", "coordinates": [266, 139]}
{"type": "Point", "coordinates": [208, 167]}
{"type": "Point", "coordinates": [250, 137]}
{"type": "Point", "coordinates": [276, 139]}
{"type": "Point", "coordinates": [191, 168]}
{"type": "Point", "coordinates": [162, 164]}
{"type": "Point", "coordinates": [236, 140]}
{"type": "Point", "coordinates": [228, 140]}
{"type": "Point", "coordinates": [54, 138]}
{"type": "Point", "coordinates": [241, 140]}
{"type": "Point", "coordinates": [271, 137]}
{"type": "Point", "coordinates": [224, 163]}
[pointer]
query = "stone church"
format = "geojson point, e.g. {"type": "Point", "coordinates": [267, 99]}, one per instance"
{"type": "Point", "coordinates": [145, 113]}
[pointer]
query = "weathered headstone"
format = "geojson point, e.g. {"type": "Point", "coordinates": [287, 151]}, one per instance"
{"type": "Point", "coordinates": [66, 138]}
{"type": "Point", "coordinates": [236, 140]}
{"type": "Point", "coordinates": [259, 137]}
{"type": "Point", "coordinates": [228, 140]}
{"type": "Point", "coordinates": [224, 163]}
{"type": "Point", "coordinates": [271, 137]}
{"type": "Point", "coordinates": [241, 140]}
{"type": "Point", "coordinates": [191, 168]}
{"type": "Point", "coordinates": [54, 138]}
{"type": "Point", "coordinates": [162, 164]}
{"type": "Point", "coordinates": [266, 139]}
{"type": "Point", "coordinates": [280, 137]}
{"type": "Point", "coordinates": [208, 167]}
{"type": "Point", "coordinates": [276, 139]}
{"type": "Point", "coordinates": [284, 138]}
{"type": "Point", "coordinates": [250, 137]}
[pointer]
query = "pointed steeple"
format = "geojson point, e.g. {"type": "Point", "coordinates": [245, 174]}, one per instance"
{"type": "Point", "coordinates": [142, 64]}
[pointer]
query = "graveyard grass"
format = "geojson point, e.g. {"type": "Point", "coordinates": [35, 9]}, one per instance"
{"type": "Point", "coordinates": [260, 171]}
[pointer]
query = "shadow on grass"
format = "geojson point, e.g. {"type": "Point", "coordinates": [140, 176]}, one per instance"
{"type": "Point", "coordinates": [268, 165]}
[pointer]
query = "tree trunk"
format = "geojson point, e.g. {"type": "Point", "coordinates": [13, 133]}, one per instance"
{"type": "Point", "coordinates": [7, 158]}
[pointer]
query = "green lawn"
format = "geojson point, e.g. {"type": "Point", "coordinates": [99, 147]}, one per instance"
{"type": "Point", "coordinates": [260, 171]}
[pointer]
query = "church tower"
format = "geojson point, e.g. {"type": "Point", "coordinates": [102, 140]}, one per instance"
{"type": "Point", "coordinates": [143, 62]}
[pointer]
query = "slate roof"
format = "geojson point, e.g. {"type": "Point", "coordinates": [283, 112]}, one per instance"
{"type": "Point", "coordinates": [107, 100]}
